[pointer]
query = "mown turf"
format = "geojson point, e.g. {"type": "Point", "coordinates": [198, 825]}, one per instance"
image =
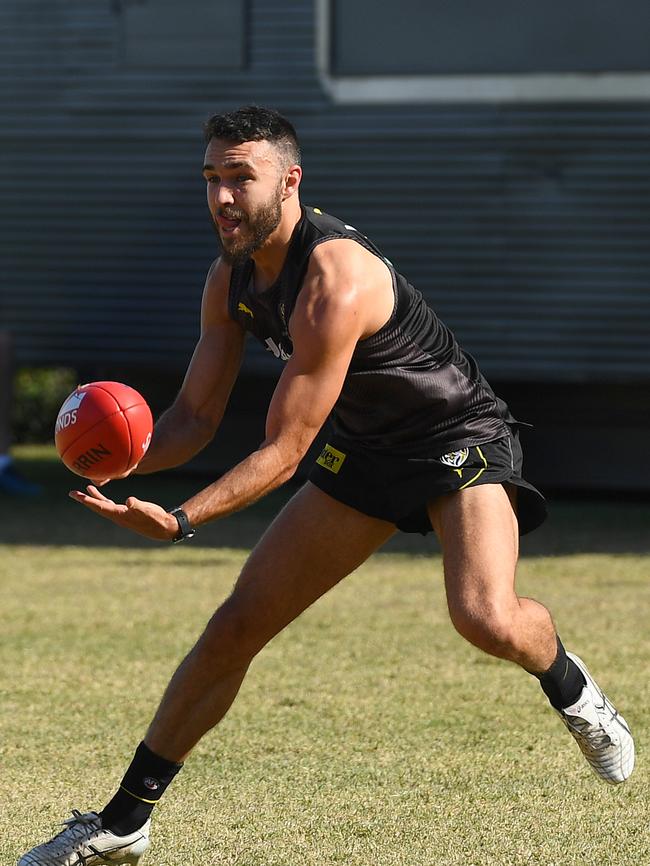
{"type": "Point", "coordinates": [367, 733]}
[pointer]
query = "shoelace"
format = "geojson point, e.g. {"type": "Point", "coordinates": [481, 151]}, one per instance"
{"type": "Point", "coordinates": [78, 828]}
{"type": "Point", "coordinates": [597, 737]}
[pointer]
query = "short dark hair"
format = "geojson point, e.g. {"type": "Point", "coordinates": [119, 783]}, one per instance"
{"type": "Point", "coordinates": [255, 123]}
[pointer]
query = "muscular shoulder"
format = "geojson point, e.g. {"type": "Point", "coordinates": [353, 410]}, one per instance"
{"type": "Point", "coordinates": [344, 258]}
{"type": "Point", "coordinates": [214, 306]}
{"type": "Point", "coordinates": [345, 278]}
{"type": "Point", "coordinates": [218, 276]}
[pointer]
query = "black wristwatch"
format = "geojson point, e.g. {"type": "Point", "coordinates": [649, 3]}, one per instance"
{"type": "Point", "coordinates": [185, 528]}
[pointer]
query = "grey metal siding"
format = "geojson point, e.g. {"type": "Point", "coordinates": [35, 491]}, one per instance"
{"type": "Point", "coordinates": [526, 226]}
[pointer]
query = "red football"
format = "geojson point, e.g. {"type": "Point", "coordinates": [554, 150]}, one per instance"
{"type": "Point", "coordinates": [103, 429]}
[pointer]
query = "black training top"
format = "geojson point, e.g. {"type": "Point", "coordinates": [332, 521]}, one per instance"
{"type": "Point", "coordinates": [410, 388]}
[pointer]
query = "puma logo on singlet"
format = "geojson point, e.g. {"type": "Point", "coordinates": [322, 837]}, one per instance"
{"type": "Point", "coordinates": [242, 308]}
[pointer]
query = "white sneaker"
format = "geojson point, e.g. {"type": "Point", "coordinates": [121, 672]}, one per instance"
{"type": "Point", "coordinates": [600, 731]}
{"type": "Point", "coordinates": [85, 843]}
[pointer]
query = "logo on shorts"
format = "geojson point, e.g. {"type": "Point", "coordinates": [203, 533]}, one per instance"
{"type": "Point", "coordinates": [150, 783]}
{"type": "Point", "coordinates": [331, 458]}
{"type": "Point", "coordinates": [455, 458]}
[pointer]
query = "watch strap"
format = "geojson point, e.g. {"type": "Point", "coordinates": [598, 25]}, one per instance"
{"type": "Point", "coordinates": [185, 528]}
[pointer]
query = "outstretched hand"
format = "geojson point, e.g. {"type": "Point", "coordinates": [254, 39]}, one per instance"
{"type": "Point", "coordinates": [145, 518]}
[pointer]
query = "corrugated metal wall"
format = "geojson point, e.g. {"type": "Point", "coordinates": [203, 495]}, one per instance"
{"type": "Point", "coordinates": [526, 226]}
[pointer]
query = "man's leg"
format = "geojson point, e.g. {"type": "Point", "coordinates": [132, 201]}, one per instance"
{"type": "Point", "coordinates": [311, 545]}
{"type": "Point", "coordinates": [477, 528]}
{"type": "Point", "coordinates": [478, 533]}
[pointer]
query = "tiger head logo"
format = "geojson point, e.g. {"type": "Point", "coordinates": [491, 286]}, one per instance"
{"type": "Point", "coordinates": [455, 458]}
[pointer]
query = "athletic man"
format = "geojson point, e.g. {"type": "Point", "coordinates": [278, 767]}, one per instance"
{"type": "Point", "coordinates": [420, 442]}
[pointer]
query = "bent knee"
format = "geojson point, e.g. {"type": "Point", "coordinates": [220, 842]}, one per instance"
{"type": "Point", "coordinates": [486, 624]}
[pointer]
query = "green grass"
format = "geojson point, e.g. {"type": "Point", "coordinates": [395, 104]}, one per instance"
{"type": "Point", "coordinates": [367, 733]}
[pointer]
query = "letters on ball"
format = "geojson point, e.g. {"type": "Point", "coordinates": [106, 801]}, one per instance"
{"type": "Point", "coordinates": [103, 430]}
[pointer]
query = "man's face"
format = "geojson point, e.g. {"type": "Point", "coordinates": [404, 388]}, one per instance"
{"type": "Point", "coordinates": [245, 192]}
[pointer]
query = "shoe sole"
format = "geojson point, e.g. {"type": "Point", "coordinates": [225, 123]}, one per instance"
{"type": "Point", "coordinates": [125, 861]}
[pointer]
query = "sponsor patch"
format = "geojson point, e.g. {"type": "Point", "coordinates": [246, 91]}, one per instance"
{"type": "Point", "coordinates": [242, 308]}
{"type": "Point", "coordinates": [331, 458]}
{"type": "Point", "coordinates": [455, 458]}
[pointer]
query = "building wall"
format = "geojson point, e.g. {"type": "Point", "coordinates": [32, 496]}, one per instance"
{"type": "Point", "coordinates": [523, 220]}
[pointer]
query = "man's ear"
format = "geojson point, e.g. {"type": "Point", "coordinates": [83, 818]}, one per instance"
{"type": "Point", "coordinates": [291, 181]}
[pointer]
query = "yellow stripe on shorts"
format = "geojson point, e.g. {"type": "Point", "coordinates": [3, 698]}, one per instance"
{"type": "Point", "coordinates": [479, 473]}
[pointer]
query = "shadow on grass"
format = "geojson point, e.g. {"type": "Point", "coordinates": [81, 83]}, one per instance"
{"type": "Point", "coordinates": [597, 524]}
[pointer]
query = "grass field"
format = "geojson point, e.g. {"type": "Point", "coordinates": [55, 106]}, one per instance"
{"type": "Point", "coordinates": [367, 734]}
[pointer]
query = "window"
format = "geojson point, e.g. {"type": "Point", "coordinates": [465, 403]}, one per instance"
{"type": "Point", "coordinates": [471, 49]}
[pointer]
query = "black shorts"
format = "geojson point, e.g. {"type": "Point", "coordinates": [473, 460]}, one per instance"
{"type": "Point", "coordinates": [398, 489]}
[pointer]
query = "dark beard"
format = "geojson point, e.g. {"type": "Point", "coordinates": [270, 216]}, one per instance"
{"type": "Point", "coordinates": [259, 227]}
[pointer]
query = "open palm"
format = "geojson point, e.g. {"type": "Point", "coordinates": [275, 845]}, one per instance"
{"type": "Point", "coordinates": [145, 518]}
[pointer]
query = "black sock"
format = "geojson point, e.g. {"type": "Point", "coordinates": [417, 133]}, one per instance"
{"type": "Point", "coordinates": [143, 785]}
{"type": "Point", "coordinates": [563, 682]}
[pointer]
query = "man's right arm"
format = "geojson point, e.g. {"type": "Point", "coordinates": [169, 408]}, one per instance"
{"type": "Point", "coordinates": [192, 420]}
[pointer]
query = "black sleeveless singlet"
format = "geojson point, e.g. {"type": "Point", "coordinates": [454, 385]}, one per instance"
{"type": "Point", "coordinates": [410, 389]}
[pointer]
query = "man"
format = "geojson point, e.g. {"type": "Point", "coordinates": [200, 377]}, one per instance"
{"type": "Point", "coordinates": [420, 442]}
